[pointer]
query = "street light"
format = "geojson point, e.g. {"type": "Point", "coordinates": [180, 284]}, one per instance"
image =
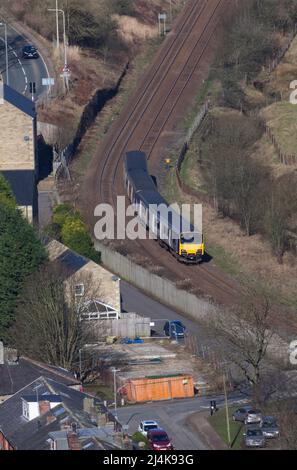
{"type": "Point", "coordinates": [64, 33]}
{"type": "Point", "coordinates": [114, 371]}
{"type": "Point", "coordinates": [6, 51]}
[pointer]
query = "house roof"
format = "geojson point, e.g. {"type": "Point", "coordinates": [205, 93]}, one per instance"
{"type": "Point", "coordinates": [22, 183]}
{"type": "Point", "coordinates": [19, 101]}
{"type": "Point", "coordinates": [16, 375]}
{"type": "Point", "coordinates": [23, 434]}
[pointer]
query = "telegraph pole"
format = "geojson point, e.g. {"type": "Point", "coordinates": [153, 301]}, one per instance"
{"type": "Point", "coordinates": [227, 411]}
{"type": "Point", "coordinates": [57, 25]}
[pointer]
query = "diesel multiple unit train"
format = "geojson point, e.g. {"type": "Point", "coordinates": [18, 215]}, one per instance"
{"type": "Point", "coordinates": [186, 246]}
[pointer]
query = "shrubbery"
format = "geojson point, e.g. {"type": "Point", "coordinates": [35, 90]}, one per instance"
{"type": "Point", "coordinates": [67, 226]}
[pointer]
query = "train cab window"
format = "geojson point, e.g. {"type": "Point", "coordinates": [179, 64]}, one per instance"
{"type": "Point", "coordinates": [191, 237]}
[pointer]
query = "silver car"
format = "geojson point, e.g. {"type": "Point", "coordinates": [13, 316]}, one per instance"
{"type": "Point", "coordinates": [253, 417]}
{"type": "Point", "coordinates": [241, 413]}
{"type": "Point", "coordinates": [254, 437]}
{"type": "Point", "coordinates": [269, 427]}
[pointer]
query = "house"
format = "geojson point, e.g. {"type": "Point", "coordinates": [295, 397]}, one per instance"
{"type": "Point", "coordinates": [48, 415]}
{"type": "Point", "coordinates": [17, 372]}
{"type": "Point", "coordinates": [98, 293]}
{"type": "Point", "coordinates": [103, 286]}
{"type": "Point", "coordinates": [18, 148]}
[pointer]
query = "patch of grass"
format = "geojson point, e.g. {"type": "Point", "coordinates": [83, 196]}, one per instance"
{"type": "Point", "coordinates": [100, 390]}
{"type": "Point", "coordinates": [223, 259]}
{"type": "Point", "coordinates": [218, 422]}
{"type": "Point", "coordinates": [281, 117]}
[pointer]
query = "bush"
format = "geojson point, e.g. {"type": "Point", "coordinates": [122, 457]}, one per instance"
{"type": "Point", "coordinates": [67, 226]}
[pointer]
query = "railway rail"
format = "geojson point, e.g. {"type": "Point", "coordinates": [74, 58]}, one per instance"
{"type": "Point", "coordinates": [144, 119]}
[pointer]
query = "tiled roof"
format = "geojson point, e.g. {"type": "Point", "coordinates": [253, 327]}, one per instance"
{"type": "Point", "coordinates": [23, 434]}
{"type": "Point", "coordinates": [15, 376]}
{"type": "Point", "coordinates": [22, 183]}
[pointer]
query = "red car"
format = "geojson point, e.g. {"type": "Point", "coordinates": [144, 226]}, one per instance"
{"type": "Point", "coordinates": [159, 440]}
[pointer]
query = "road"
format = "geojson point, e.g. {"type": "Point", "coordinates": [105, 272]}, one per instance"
{"type": "Point", "coordinates": [172, 416]}
{"type": "Point", "coordinates": [21, 71]}
{"type": "Point", "coordinates": [133, 300]}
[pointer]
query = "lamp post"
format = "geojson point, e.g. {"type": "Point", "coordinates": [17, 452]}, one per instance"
{"type": "Point", "coordinates": [57, 25]}
{"type": "Point", "coordinates": [114, 371]}
{"type": "Point", "coordinates": [57, 10]}
{"type": "Point", "coordinates": [6, 51]}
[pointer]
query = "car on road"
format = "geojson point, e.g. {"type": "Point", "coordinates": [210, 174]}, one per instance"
{"type": "Point", "coordinates": [30, 52]}
{"type": "Point", "coordinates": [254, 437]}
{"type": "Point", "coordinates": [269, 427]}
{"type": "Point", "coordinates": [241, 413]}
{"type": "Point", "coordinates": [147, 425]}
{"type": "Point", "coordinates": [175, 329]}
{"type": "Point", "coordinates": [253, 417]}
{"type": "Point", "coordinates": [158, 440]}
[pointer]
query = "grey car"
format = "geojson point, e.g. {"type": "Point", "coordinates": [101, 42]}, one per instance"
{"type": "Point", "coordinates": [254, 437]}
{"type": "Point", "coordinates": [270, 427]}
{"type": "Point", "coordinates": [241, 413]}
{"type": "Point", "coordinates": [253, 417]}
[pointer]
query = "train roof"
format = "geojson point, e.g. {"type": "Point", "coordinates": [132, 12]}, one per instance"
{"type": "Point", "coordinates": [136, 168]}
{"type": "Point", "coordinates": [135, 160]}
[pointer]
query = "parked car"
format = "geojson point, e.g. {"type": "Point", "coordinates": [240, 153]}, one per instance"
{"type": "Point", "coordinates": [30, 52]}
{"type": "Point", "coordinates": [158, 440]}
{"type": "Point", "coordinates": [254, 436]}
{"type": "Point", "coordinates": [241, 413]}
{"type": "Point", "coordinates": [175, 329]}
{"type": "Point", "coordinates": [147, 425]}
{"type": "Point", "coordinates": [269, 427]}
{"type": "Point", "coordinates": [253, 417]}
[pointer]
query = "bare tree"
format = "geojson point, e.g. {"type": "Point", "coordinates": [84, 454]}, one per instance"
{"type": "Point", "coordinates": [48, 325]}
{"type": "Point", "coordinates": [244, 333]}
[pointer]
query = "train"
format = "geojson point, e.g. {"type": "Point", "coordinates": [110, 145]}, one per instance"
{"type": "Point", "coordinates": [187, 246]}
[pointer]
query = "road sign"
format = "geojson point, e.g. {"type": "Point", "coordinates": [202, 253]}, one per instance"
{"type": "Point", "coordinates": [48, 81]}
{"type": "Point", "coordinates": [162, 16]}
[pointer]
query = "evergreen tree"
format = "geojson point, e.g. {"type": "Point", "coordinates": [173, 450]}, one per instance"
{"type": "Point", "coordinates": [21, 253]}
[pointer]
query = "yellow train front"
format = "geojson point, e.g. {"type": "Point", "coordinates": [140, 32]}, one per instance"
{"type": "Point", "coordinates": [191, 247]}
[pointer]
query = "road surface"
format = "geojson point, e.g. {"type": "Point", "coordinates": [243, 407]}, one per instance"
{"type": "Point", "coordinates": [173, 415]}
{"type": "Point", "coordinates": [21, 71]}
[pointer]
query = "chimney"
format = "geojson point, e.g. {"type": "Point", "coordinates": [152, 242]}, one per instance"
{"type": "Point", "coordinates": [73, 441]}
{"type": "Point", "coordinates": [88, 403]}
{"type": "Point", "coordinates": [50, 419]}
{"type": "Point", "coordinates": [1, 353]}
{"type": "Point", "coordinates": [44, 406]}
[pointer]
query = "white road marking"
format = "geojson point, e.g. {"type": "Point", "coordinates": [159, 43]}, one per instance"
{"type": "Point", "coordinates": [46, 68]}
{"type": "Point", "coordinates": [24, 72]}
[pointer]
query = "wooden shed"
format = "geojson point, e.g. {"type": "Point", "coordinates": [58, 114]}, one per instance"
{"type": "Point", "coordinates": [159, 387]}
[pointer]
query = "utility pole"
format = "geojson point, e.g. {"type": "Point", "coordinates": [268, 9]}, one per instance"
{"type": "Point", "coordinates": [114, 371]}
{"type": "Point", "coordinates": [79, 353]}
{"type": "Point", "coordinates": [65, 69]}
{"type": "Point", "coordinates": [57, 25]}
{"type": "Point", "coordinates": [227, 411]}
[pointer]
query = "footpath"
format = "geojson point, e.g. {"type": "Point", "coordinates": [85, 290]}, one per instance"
{"type": "Point", "coordinates": [199, 423]}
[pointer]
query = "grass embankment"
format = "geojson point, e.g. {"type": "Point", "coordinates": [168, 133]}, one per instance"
{"type": "Point", "coordinates": [218, 422]}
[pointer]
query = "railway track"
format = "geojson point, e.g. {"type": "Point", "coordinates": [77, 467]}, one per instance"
{"type": "Point", "coordinates": [141, 124]}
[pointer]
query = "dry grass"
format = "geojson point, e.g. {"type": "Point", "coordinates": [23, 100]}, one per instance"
{"type": "Point", "coordinates": [132, 30]}
{"type": "Point", "coordinates": [282, 119]}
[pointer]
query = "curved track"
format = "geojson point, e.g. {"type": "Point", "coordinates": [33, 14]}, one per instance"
{"type": "Point", "coordinates": [158, 97]}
